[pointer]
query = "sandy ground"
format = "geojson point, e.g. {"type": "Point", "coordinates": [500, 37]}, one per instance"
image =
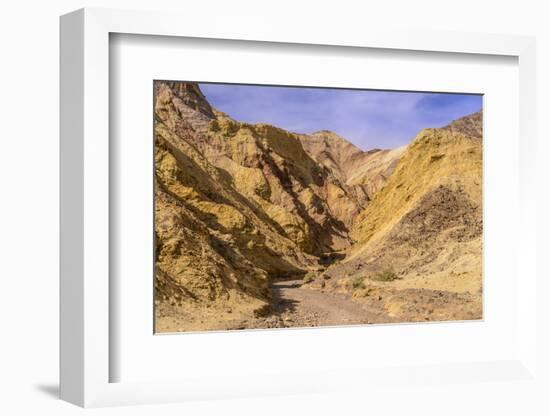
{"type": "Point", "coordinates": [295, 305]}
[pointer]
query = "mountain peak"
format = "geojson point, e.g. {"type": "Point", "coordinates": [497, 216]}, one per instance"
{"type": "Point", "coordinates": [191, 95]}
{"type": "Point", "coordinates": [470, 125]}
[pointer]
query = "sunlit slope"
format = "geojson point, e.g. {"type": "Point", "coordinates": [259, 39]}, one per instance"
{"type": "Point", "coordinates": [425, 225]}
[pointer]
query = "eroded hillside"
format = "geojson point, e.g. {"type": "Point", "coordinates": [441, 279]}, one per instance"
{"type": "Point", "coordinates": [362, 173]}
{"type": "Point", "coordinates": [236, 204]}
{"type": "Point", "coordinates": [418, 244]}
{"type": "Point", "coordinates": [240, 206]}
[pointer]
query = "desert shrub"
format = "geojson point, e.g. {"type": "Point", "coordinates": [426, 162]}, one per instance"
{"type": "Point", "coordinates": [309, 277]}
{"type": "Point", "coordinates": [387, 275]}
{"type": "Point", "coordinates": [358, 282]}
{"type": "Point", "coordinates": [215, 125]}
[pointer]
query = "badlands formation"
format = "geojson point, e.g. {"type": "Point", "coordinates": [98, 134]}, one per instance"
{"type": "Point", "coordinates": [258, 227]}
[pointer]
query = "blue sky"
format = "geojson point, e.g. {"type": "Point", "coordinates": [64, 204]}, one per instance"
{"type": "Point", "coordinates": [369, 119]}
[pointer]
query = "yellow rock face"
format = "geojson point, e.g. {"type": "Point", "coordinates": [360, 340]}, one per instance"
{"type": "Point", "coordinates": [437, 157]}
{"type": "Point", "coordinates": [424, 228]}
{"type": "Point", "coordinates": [236, 204]}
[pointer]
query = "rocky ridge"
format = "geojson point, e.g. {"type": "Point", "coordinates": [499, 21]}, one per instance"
{"type": "Point", "coordinates": [422, 233]}
{"type": "Point", "coordinates": [239, 206]}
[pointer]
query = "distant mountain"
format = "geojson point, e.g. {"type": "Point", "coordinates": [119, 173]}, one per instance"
{"type": "Point", "coordinates": [362, 173]}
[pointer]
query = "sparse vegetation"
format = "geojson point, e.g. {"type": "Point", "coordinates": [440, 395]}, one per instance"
{"type": "Point", "coordinates": [309, 277]}
{"type": "Point", "coordinates": [387, 275]}
{"type": "Point", "coordinates": [358, 282]}
{"type": "Point", "coordinates": [215, 126]}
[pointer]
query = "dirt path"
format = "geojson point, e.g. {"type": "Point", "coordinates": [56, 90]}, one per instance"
{"type": "Point", "coordinates": [297, 306]}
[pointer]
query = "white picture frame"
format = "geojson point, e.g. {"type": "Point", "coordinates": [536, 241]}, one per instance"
{"type": "Point", "coordinates": [85, 165]}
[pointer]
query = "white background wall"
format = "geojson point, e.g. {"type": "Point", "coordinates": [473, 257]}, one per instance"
{"type": "Point", "coordinates": [29, 56]}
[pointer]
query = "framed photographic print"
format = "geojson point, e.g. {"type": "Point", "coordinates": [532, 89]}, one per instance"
{"type": "Point", "coordinates": [337, 205]}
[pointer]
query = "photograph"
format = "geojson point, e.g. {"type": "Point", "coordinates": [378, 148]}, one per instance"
{"type": "Point", "coordinates": [275, 208]}
{"type": "Point", "coordinates": [300, 206]}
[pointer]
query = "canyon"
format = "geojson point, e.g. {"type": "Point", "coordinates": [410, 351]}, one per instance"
{"type": "Point", "coordinates": [259, 227]}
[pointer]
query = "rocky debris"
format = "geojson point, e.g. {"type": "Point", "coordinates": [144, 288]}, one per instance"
{"type": "Point", "coordinates": [417, 305]}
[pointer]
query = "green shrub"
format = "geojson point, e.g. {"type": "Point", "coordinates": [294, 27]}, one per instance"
{"type": "Point", "coordinates": [215, 125]}
{"type": "Point", "coordinates": [358, 282]}
{"type": "Point", "coordinates": [309, 277]}
{"type": "Point", "coordinates": [387, 275]}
